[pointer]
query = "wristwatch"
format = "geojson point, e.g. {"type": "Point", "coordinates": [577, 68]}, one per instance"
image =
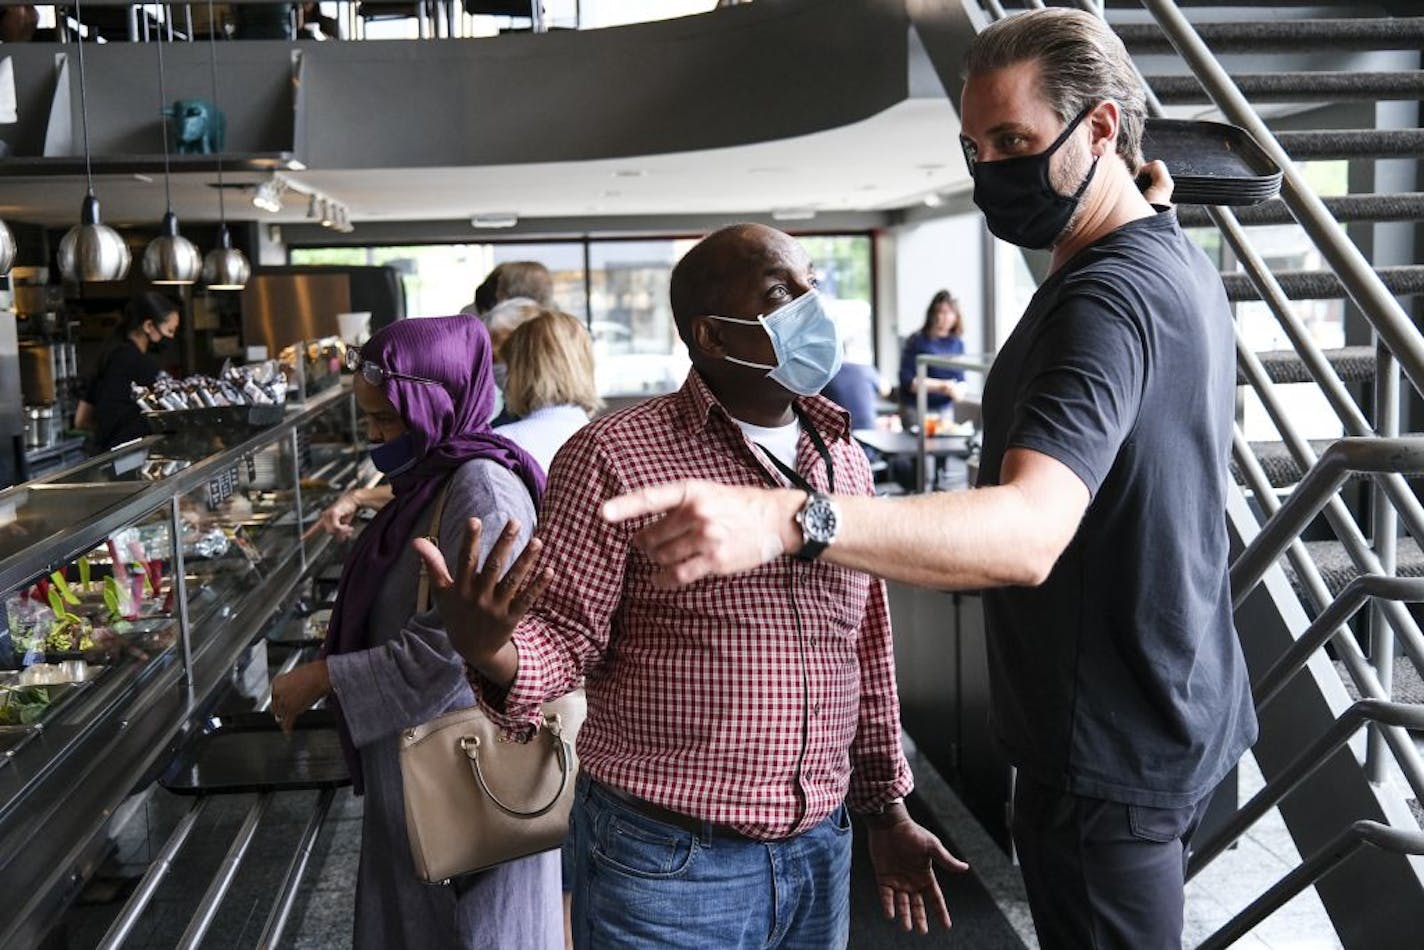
{"type": "Point", "coordinates": [819, 520]}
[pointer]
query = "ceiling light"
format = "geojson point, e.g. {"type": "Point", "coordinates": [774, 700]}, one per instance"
{"type": "Point", "coordinates": [499, 219]}
{"type": "Point", "coordinates": [793, 214]}
{"type": "Point", "coordinates": [91, 250]}
{"type": "Point", "coordinates": [170, 259]}
{"type": "Point", "coordinates": [933, 200]}
{"type": "Point", "coordinates": [225, 267]}
{"type": "Point", "coordinates": [268, 196]}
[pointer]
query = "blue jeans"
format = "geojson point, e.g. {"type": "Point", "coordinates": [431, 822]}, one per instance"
{"type": "Point", "coordinates": [640, 883]}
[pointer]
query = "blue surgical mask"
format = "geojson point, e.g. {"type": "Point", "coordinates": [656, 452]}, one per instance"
{"type": "Point", "coordinates": [395, 456]}
{"type": "Point", "coordinates": [806, 342]}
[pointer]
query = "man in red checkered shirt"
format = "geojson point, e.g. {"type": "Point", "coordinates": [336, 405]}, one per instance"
{"type": "Point", "coordinates": [733, 724]}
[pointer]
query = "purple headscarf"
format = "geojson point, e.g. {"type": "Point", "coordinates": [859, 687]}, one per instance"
{"type": "Point", "coordinates": [449, 421]}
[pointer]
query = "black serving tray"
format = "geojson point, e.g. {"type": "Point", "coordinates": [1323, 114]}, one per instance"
{"type": "Point", "coordinates": [1211, 163]}
{"type": "Point", "coordinates": [246, 752]}
{"type": "Point", "coordinates": [214, 418]}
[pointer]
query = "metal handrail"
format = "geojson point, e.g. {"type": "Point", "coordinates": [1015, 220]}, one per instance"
{"type": "Point", "coordinates": [974, 364]}
{"type": "Point", "coordinates": [1403, 715]}
{"type": "Point", "coordinates": [1356, 594]}
{"type": "Point", "coordinates": [1350, 840]}
{"type": "Point", "coordinates": [1347, 650]}
{"type": "Point", "coordinates": [1346, 529]}
{"type": "Point", "coordinates": [1343, 458]}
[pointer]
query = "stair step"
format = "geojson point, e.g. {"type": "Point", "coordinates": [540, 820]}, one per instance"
{"type": "Point", "coordinates": [1338, 570]}
{"type": "Point", "coordinates": [1286, 36]}
{"type": "Point", "coordinates": [1408, 685]}
{"type": "Point", "coordinates": [1329, 144]}
{"type": "Point", "coordinates": [1280, 466]}
{"type": "Point", "coordinates": [1298, 87]}
{"type": "Point", "coordinates": [1354, 364]}
{"type": "Point", "coordinates": [1324, 285]}
{"type": "Point", "coordinates": [1404, 206]}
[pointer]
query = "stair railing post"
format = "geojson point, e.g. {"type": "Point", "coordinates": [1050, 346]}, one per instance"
{"type": "Point", "coordinates": [1386, 528]}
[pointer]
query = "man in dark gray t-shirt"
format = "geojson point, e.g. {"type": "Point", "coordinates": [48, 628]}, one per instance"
{"type": "Point", "coordinates": [1120, 676]}
{"type": "Point", "coordinates": [1098, 530]}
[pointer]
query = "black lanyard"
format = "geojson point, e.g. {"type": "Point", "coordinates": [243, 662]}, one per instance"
{"type": "Point", "coordinates": [794, 476]}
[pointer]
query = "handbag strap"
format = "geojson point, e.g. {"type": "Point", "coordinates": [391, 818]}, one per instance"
{"type": "Point", "coordinates": [422, 596]}
{"type": "Point", "coordinates": [470, 745]}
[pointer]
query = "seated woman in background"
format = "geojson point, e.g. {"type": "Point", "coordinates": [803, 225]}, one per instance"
{"type": "Point", "coordinates": [426, 388]}
{"type": "Point", "coordinates": [549, 383]}
{"type": "Point", "coordinates": [941, 335]}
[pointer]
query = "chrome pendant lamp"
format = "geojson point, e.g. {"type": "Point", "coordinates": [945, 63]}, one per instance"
{"type": "Point", "coordinates": [225, 267]}
{"type": "Point", "coordinates": [91, 250]}
{"type": "Point", "coordinates": [170, 258]}
{"type": "Point", "coordinates": [7, 249]}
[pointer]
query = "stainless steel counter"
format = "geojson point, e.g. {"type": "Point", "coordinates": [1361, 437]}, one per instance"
{"type": "Point", "coordinates": [195, 543]}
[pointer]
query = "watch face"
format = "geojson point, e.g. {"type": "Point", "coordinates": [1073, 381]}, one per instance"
{"type": "Point", "coordinates": [820, 521]}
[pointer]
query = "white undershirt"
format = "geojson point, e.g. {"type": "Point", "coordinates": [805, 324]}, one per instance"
{"type": "Point", "coordinates": [780, 441]}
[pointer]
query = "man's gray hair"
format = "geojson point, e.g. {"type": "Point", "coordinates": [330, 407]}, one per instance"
{"type": "Point", "coordinates": [507, 315]}
{"type": "Point", "coordinates": [1081, 62]}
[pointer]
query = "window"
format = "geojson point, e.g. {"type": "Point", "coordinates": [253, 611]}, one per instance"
{"type": "Point", "coordinates": [440, 279]}
{"type": "Point", "coordinates": [636, 348]}
{"type": "Point", "coordinates": [623, 297]}
{"type": "Point", "coordinates": [842, 266]}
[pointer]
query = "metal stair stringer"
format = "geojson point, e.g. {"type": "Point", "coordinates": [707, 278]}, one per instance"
{"type": "Point", "coordinates": [1268, 622]}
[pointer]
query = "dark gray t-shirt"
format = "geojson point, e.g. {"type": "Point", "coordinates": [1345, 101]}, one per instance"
{"type": "Point", "coordinates": [1120, 677]}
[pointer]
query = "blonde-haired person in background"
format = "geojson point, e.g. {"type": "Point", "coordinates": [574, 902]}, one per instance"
{"type": "Point", "coordinates": [549, 383]}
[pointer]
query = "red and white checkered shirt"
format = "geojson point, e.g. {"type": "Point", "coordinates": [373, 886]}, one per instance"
{"type": "Point", "coordinates": [757, 701]}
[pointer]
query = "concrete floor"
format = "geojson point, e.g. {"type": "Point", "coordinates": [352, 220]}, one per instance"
{"type": "Point", "coordinates": [990, 911]}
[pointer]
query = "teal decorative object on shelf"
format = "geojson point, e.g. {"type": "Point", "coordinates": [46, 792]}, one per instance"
{"type": "Point", "coordinates": [198, 127]}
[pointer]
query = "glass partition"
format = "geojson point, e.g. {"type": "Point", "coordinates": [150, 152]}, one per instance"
{"type": "Point", "coordinates": [73, 637]}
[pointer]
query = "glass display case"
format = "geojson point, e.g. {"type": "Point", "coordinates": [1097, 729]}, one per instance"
{"type": "Point", "coordinates": [129, 586]}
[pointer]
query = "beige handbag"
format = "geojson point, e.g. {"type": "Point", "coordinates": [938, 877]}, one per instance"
{"type": "Point", "coordinates": [474, 796]}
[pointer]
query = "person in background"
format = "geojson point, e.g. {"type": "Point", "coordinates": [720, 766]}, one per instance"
{"type": "Point", "coordinates": [513, 279]}
{"type": "Point", "coordinates": [144, 333]}
{"type": "Point", "coordinates": [502, 320]}
{"type": "Point", "coordinates": [426, 389]}
{"type": "Point", "coordinates": [941, 335]}
{"type": "Point", "coordinates": [855, 389]}
{"type": "Point", "coordinates": [549, 385]}
{"type": "Point", "coordinates": [484, 294]}
{"type": "Point", "coordinates": [525, 279]}
{"type": "Point", "coordinates": [732, 728]}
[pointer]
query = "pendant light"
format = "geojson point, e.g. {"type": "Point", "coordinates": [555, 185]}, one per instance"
{"type": "Point", "coordinates": [224, 267]}
{"type": "Point", "coordinates": [91, 250]}
{"type": "Point", "coordinates": [169, 258]}
{"type": "Point", "coordinates": [7, 249]}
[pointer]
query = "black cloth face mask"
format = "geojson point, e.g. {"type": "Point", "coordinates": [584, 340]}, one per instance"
{"type": "Point", "coordinates": [1017, 198]}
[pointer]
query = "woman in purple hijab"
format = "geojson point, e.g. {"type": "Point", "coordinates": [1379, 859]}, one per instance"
{"type": "Point", "coordinates": [427, 390]}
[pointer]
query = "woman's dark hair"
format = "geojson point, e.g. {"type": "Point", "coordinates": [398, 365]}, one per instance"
{"type": "Point", "coordinates": [149, 305]}
{"type": "Point", "coordinates": [943, 297]}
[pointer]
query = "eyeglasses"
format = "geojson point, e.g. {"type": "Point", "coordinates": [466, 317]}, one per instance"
{"type": "Point", "coordinates": [375, 373]}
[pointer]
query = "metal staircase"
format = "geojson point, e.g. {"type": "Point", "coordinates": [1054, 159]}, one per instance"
{"type": "Point", "coordinates": [1316, 523]}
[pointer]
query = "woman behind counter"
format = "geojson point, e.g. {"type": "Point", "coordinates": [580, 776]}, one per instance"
{"type": "Point", "coordinates": [149, 323]}
{"type": "Point", "coordinates": [427, 390]}
{"type": "Point", "coordinates": [941, 335]}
